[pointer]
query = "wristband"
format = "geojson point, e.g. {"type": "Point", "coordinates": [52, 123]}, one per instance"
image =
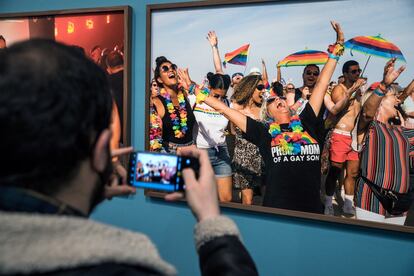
{"type": "Point", "coordinates": [336, 49]}
{"type": "Point", "coordinates": [379, 93]}
{"type": "Point", "coordinates": [191, 90]}
{"type": "Point", "coordinates": [332, 56]}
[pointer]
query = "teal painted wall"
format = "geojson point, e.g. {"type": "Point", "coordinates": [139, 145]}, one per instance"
{"type": "Point", "coordinates": [279, 245]}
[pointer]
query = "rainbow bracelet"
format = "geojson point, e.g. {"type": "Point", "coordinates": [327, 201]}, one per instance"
{"type": "Point", "coordinates": [379, 93]}
{"type": "Point", "coordinates": [332, 56]}
{"type": "Point", "coordinates": [202, 95]}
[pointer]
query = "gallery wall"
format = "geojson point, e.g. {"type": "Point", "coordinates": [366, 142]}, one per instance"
{"type": "Point", "coordinates": [280, 245]}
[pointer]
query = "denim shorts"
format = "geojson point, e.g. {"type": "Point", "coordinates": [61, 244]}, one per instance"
{"type": "Point", "coordinates": [220, 160]}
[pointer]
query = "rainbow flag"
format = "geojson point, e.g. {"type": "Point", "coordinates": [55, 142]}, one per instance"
{"type": "Point", "coordinates": [238, 56]}
{"type": "Point", "coordinates": [303, 58]}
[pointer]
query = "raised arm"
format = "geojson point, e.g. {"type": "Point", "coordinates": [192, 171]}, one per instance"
{"type": "Point", "coordinates": [407, 91]}
{"type": "Point", "coordinates": [212, 38]}
{"type": "Point", "coordinates": [336, 50]}
{"type": "Point", "coordinates": [371, 105]}
{"type": "Point", "coordinates": [265, 76]}
{"type": "Point", "coordinates": [233, 115]}
{"type": "Point", "coordinates": [338, 101]}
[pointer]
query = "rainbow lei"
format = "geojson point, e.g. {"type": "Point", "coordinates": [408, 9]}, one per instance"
{"type": "Point", "coordinates": [155, 130]}
{"type": "Point", "coordinates": [179, 122]}
{"type": "Point", "coordinates": [291, 141]}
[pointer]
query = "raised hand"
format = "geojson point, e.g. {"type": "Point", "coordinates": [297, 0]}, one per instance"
{"type": "Point", "coordinates": [114, 187]}
{"type": "Point", "coordinates": [184, 78]}
{"type": "Point", "coordinates": [212, 38]}
{"type": "Point", "coordinates": [339, 33]}
{"type": "Point", "coordinates": [305, 93]}
{"type": "Point", "coordinates": [390, 74]}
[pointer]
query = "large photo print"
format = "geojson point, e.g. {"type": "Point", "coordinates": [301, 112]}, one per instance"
{"type": "Point", "coordinates": [101, 34]}
{"type": "Point", "coordinates": [301, 106]}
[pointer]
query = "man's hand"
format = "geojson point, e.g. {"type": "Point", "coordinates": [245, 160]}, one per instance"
{"type": "Point", "coordinates": [305, 93]}
{"type": "Point", "coordinates": [390, 74]}
{"type": "Point", "coordinates": [201, 193]}
{"type": "Point", "coordinates": [355, 87]}
{"type": "Point", "coordinates": [212, 38]}
{"type": "Point", "coordinates": [114, 188]}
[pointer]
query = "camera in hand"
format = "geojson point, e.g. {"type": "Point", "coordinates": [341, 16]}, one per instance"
{"type": "Point", "coordinates": [159, 171]}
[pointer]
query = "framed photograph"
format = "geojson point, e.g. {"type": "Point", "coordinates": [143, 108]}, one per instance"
{"type": "Point", "coordinates": [103, 34]}
{"type": "Point", "coordinates": [277, 39]}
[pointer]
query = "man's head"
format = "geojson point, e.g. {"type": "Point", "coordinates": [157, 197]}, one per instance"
{"type": "Point", "coordinates": [114, 62]}
{"type": "Point", "coordinates": [351, 71]}
{"type": "Point", "coordinates": [2, 42]}
{"type": "Point", "coordinates": [236, 78]}
{"type": "Point", "coordinates": [310, 75]}
{"type": "Point", "coordinates": [55, 116]}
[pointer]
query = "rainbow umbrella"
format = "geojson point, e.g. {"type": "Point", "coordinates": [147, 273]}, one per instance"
{"type": "Point", "coordinates": [303, 58]}
{"type": "Point", "coordinates": [374, 46]}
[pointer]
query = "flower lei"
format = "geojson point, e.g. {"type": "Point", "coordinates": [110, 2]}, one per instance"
{"type": "Point", "coordinates": [179, 122]}
{"type": "Point", "coordinates": [291, 141]}
{"type": "Point", "coordinates": [155, 130]}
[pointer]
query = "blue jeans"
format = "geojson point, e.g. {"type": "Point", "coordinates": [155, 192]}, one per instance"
{"type": "Point", "coordinates": [220, 161]}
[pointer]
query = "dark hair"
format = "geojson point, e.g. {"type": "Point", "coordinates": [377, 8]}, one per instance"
{"type": "Point", "coordinates": [218, 81]}
{"type": "Point", "coordinates": [49, 121]}
{"type": "Point", "coordinates": [158, 61]}
{"type": "Point", "coordinates": [348, 64]}
{"type": "Point", "coordinates": [277, 88]}
{"type": "Point", "coordinates": [114, 59]}
{"type": "Point", "coordinates": [245, 89]}
{"type": "Point", "coordinates": [310, 65]}
{"type": "Point", "coordinates": [2, 38]}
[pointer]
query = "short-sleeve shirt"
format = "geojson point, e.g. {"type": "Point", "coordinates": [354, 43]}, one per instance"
{"type": "Point", "coordinates": [292, 180]}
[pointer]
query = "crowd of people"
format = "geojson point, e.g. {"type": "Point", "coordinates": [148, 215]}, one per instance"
{"type": "Point", "coordinates": [301, 148]}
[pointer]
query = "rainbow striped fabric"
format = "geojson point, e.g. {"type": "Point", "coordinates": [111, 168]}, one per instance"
{"type": "Point", "coordinates": [303, 58]}
{"type": "Point", "coordinates": [375, 46]}
{"type": "Point", "coordinates": [238, 56]}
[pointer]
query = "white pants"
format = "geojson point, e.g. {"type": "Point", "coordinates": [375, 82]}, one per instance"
{"type": "Point", "coordinates": [371, 216]}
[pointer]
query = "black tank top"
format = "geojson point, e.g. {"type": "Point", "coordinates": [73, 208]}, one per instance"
{"type": "Point", "coordinates": [167, 126]}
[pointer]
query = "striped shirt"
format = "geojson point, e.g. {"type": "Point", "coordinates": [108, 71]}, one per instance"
{"type": "Point", "coordinates": [386, 160]}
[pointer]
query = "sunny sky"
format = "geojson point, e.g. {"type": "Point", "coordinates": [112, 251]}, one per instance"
{"type": "Point", "coordinates": [275, 30]}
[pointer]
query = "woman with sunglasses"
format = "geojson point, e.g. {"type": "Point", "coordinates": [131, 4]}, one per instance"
{"type": "Point", "coordinates": [173, 107]}
{"type": "Point", "coordinates": [247, 161]}
{"type": "Point", "coordinates": [290, 145]}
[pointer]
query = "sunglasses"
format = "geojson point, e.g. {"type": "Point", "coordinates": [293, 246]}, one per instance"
{"type": "Point", "coordinates": [219, 97]}
{"type": "Point", "coordinates": [290, 88]}
{"type": "Point", "coordinates": [260, 87]}
{"type": "Point", "coordinates": [315, 74]}
{"type": "Point", "coordinates": [273, 99]}
{"type": "Point", "coordinates": [167, 68]}
{"type": "Point", "coordinates": [353, 72]}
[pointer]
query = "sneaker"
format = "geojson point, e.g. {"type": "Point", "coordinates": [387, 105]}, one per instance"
{"type": "Point", "coordinates": [348, 210]}
{"type": "Point", "coordinates": [329, 210]}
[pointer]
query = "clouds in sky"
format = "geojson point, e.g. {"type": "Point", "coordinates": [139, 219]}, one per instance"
{"type": "Point", "coordinates": [275, 30]}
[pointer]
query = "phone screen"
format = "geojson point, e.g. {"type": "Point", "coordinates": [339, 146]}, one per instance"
{"type": "Point", "coordinates": [159, 171]}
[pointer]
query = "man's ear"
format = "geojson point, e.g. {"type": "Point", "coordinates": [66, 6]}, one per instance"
{"type": "Point", "coordinates": [100, 152]}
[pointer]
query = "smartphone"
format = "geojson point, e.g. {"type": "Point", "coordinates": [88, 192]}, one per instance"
{"type": "Point", "coordinates": [159, 171]}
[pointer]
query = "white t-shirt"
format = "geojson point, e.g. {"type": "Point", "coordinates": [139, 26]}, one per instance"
{"type": "Point", "coordinates": [212, 125]}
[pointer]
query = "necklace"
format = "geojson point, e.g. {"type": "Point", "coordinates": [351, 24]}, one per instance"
{"type": "Point", "coordinates": [179, 122]}
{"type": "Point", "coordinates": [290, 141]}
{"type": "Point", "coordinates": [155, 130]}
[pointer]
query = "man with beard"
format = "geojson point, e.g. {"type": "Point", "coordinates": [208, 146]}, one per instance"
{"type": "Point", "coordinates": [57, 167]}
{"type": "Point", "coordinates": [341, 151]}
